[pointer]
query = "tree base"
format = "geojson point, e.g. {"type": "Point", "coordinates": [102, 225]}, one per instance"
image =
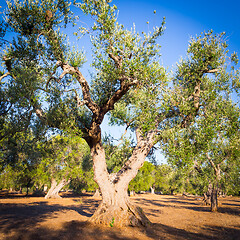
{"type": "Point", "coordinates": [52, 196]}
{"type": "Point", "coordinates": [117, 216]}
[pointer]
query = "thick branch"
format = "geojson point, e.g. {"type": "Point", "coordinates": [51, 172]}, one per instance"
{"type": "Point", "coordinates": [196, 99]}
{"type": "Point", "coordinates": [125, 86]}
{"type": "Point", "coordinates": [67, 69]}
{"type": "Point", "coordinates": [4, 75]}
{"type": "Point", "coordinates": [212, 70]}
{"type": "Point", "coordinates": [196, 95]}
{"type": "Point", "coordinates": [140, 152]}
{"type": "Point", "coordinates": [212, 164]}
{"type": "Point", "coordinates": [196, 103]}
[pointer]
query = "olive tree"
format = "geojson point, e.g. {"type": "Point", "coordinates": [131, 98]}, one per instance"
{"type": "Point", "coordinates": [62, 160]}
{"type": "Point", "coordinates": [38, 59]}
{"type": "Point", "coordinates": [128, 83]}
{"type": "Point", "coordinates": [210, 143]}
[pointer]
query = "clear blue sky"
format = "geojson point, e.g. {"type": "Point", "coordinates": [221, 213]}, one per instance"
{"type": "Point", "coordinates": [184, 18]}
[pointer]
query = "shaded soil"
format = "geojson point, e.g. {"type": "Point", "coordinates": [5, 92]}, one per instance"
{"type": "Point", "coordinates": [172, 217]}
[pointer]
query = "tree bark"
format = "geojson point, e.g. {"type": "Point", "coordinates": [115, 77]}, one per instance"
{"type": "Point", "coordinates": [55, 188]}
{"type": "Point", "coordinates": [116, 208]}
{"type": "Point", "coordinates": [214, 194]}
{"type": "Point", "coordinates": [214, 199]}
{"type": "Point", "coordinates": [208, 194]}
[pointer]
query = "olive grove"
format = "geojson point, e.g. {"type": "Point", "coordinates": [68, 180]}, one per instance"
{"type": "Point", "coordinates": [127, 83]}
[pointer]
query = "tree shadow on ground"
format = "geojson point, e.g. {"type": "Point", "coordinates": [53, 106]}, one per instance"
{"type": "Point", "coordinates": [228, 210]}
{"type": "Point", "coordinates": [20, 216]}
{"type": "Point", "coordinates": [196, 206]}
{"type": "Point", "coordinates": [192, 204]}
{"type": "Point", "coordinates": [74, 230]}
{"type": "Point", "coordinates": [19, 221]}
{"type": "Point", "coordinates": [160, 231]}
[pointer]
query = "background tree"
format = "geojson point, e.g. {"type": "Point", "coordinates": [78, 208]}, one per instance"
{"type": "Point", "coordinates": [64, 157]}
{"type": "Point", "coordinates": [163, 176]}
{"type": "Point", "coordinates": [19, 158]}
{"type": "Point", "coordinates": [210, 143]}
{"type": "Point", "coordinates": [145, 178]}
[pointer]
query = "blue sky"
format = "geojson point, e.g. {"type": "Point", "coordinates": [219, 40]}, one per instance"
{"type": "Point", "coordinates": [184, 19]}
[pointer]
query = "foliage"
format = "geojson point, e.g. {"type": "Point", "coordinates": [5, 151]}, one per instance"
{"type": "Point", "coordinates": [210, 144]}
{"type": "Point", "coordinates": [163, 176]}
{"type": "Point", "coordinates": [19, 159]}
{"type": "Point", "coordinates": [62, 157]}
{"type": "Point", "coordinates": [144, 179]}
{"type": "Point", "coordinates": [116, 156]}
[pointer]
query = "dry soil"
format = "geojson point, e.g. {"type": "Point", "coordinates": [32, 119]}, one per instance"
{"type": "Point", "coordinates": [172, 217]}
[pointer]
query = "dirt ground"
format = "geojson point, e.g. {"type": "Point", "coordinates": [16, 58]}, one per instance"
{"type": "Point", "coordinates": [172, 217]}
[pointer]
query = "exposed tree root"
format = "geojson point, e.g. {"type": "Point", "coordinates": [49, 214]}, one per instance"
{"type": "Point", "coordinates": [118, 216]}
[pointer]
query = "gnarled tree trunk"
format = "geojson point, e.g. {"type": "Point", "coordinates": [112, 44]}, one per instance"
{"type": "Point", "coordinates": [116, 208]}
{"type": "Point", "coordinates": [55, 188]}
{"type": "Point", "coordinates": [214, 193]}
{"type": "Point", "coordinates": [208, 194]}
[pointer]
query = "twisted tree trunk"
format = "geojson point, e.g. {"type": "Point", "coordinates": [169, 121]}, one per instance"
{"type": "Point", "coordinates": [208, 194]}
{"type": "Point", "coordinates": [116, 208]}
{"type": "Point", "coordinates": [214, 193]}
{"type": "Point", "coordinates": [55, 188]}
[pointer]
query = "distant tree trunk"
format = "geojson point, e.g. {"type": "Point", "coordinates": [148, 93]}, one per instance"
{"type": "Point", "coordinates": [97, 194]}
{"type": "Point", "coordinates": [132, 193]}
{"type": "Point", "coordinates": [55, 188]}
{"type": "Point", "coordinates": [45, 188]}
{"type": "Point", "coordinates": [208, 194]}
{"type": "Point", "coordinates": [28, 185]}
{"type": "Point", "coordinates": [214, 199]}
{"type": "Point", "coordinates": [214, 193]}
{"type": "Point", "coordinates": [152, 190]}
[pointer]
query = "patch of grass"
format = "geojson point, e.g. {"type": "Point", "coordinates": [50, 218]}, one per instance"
{"type": "Point", "coordinates": [112, 222]}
